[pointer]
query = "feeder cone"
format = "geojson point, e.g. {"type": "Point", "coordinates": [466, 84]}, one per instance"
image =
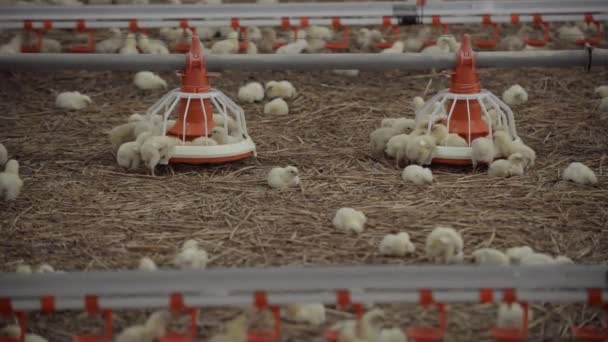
{"type": "Point", "coordinates": [466, 81]}
{"type": "Point", "coordinates": [191, 111]}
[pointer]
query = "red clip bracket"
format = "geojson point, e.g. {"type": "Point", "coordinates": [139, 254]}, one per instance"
{"type": "Point", "coordinates": [423, 334]}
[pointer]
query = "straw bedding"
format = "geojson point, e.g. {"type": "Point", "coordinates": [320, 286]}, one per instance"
{"type": "Point", "coordinates": [80, 211]}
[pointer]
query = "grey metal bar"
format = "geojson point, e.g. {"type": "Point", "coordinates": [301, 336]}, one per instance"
{"type": "Point", "coordinates": [364, 278]}
{"type": "Point", "coordinates": [406, 61]}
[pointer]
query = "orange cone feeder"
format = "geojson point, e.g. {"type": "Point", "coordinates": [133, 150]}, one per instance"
{"type": "Point", "coordinates": [200, 108]}
{"type": "Point", "coordinates": [465, 109]}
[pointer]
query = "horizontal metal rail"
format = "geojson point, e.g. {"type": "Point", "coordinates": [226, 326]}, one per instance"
{"type": "Point", "coordinates": [366, 284]}
{"type": "Point", "coordinates": [406, 61]}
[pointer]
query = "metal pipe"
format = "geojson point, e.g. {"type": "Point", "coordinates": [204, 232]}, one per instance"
{"type": "Point", "coordinates": [406, 61]}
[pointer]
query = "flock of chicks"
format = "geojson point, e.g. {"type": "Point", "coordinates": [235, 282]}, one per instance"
{"type": "Point", "coordinates": [405, 140]}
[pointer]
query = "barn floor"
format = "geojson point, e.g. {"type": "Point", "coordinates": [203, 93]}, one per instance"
{"type": "Point", "coordinates": [79, 211]}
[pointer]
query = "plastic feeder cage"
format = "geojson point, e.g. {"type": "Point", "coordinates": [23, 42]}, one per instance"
{"type": "Point", "coordinates": [431, 334]}
{"type": "Point", "coordinates": [444, 30]}
{"type": "Point", "coordinates": [344, 43]}
{"type": "Point", "coordinates": [344, 302]}
{"type": "Point", "coordinates": [393, 33]}
{"type": "Point", "coordinates": [491, 43]}
{"type": "Point", "coordinates": [90, 46]}
{"type": "Point", "coordinates": [544, 26]}
{"type": "Point", "coordinates": [598, 33]}
{"type": "Point", "coordinates": [468, 110]}
{"type": "Point", "coordinates": [195, 104]}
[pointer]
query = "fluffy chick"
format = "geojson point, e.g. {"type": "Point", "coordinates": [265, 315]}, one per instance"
{"type": "Point", "coordinates": [367, 329]}
{"type": "Point", "coordinates": [72, 100]}
{"type": "Point", "coordinates": [147, 264]}
{"type": "Point", "coordinates": [191, 257]}
{"type": "Point", "coordinates": [122, 134]}
{"type": "Point", "coordinates": [392, 335]}
{"type": "Point", "coordinates": [417, 174]}
{"type": "Point", "coordinates": [282, 89]}
{"type": "Point", "coordinates": [153, 328]}
{"type": "Point", "coordinates": [511, 315]}
{"type": "Point", "coordinates": [251, 92]}
{"type": "Point", "coordinates": [579, 173]}
{"type": "Point", "coordinates": [147, 80]}
{"type": "Point", "coordinates": [505, 168]}
{"type": "Point", "coordinates": [14, 331]}
{"type": "Point", "coordinates": [528, 154]}
{"type": "Point", "coordinates": [537, 259]}
{"type": "Point", "coordinates": [379, 138]}
{"type": "Point", "coordinates": [3, 155]}
{"type": "Point", "coordinates": [234, 331]}
{"type": "Point", "coordinates": [128, 155]}
{"type": "Point", "coordinates": [306, 313]}
{"type": "Point", "coordinates": [601, 91]}
{"type": "Point", "coordinates": [277, 106]}
{"type": "Point", "coordinates": [155, 149]}
{"type": "Point", "coordinates": [349, 219]}
{"type": "Point", "coordinates": [130, 46]}
{"type": "Point", "coordinates": [482, 150]}
{"type": "Point", "coordinates": [490, 256]}
{"type": "Point", "coordinates": [515, 95]}
{"type": "Point", "coordinates": [516, 254]}
{"type": "Point", "coordinates": [444, 244]}
{"type": "Point", "coordinates": [221, 136]}
{"type": "Point", "coordinates": [281, 178]}
{"type": "Point", "coordinates": [396, 244]}
{"type": "Point", "coordinates": [10, 182]}
{"type": "Point", "coordinates": [45, 268]}
{"type": "Point", "coordinates": [503, 144]}
{"type": "Point", "coordinates": [420, 149]}
{"type": "Point", "coordinates": [396, 147]}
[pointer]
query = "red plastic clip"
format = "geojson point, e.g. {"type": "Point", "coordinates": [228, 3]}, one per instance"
{"type": "Point", "coordinates": [486, 296]}
{"type": "Point", "coordinates": [509, 296]}
{"type": "Point", "coordinates": [92, 307]}
{"type": "Point", "coordinates": [6, 307]}
{"type": "Point", "coordinates": [47, 304]}
{"type": "Point", "coordinates": [515, 19]}
{"type": "Point", "coordinates": [344, 43]}
{"type": "Point", "coordinates": [304, 22]}
{"type": "Point", "coordinates": [597, 38]}
{"type": "Point", "coordinates": [540, 23]}
{"type": "Point", "coordinates": [430, 334]}
{"type": "Point", "coordinates": [133, 26]}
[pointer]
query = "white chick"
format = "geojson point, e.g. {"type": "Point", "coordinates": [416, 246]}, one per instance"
{"type": "Point", "coordinates": [579, 173]}
{"type": "Point", "coordinates": [226, 46]}
{"type": "Point", "coordinates": [396, 147]}
{"type": "Point", "coordinates": [601, 91]}
{"type": "Point", "coordinates": [397, 47]}
{"type": "Point", "coordinates": [315, 45]}
{"type": "Point", "coordinates": [10, 182]}
{"type": "Point", "coordinates": [420, 149]}
{"type": "Point", "coordinates": [122, 134]}
{"type": "Point", "coordinates": [563, 260]}
{"type": "Point", "coordinates": [490, 256]}
{"type": "Point", "coordinates": [349, 219]}
{"type": "Point", "coordinates": [515, 95]}
{"type": "Point", "coordinates": [306, 313]}
{"type": "Point", "coordinates": [147, 80]}
{"type": "Point", "coordinates": [369, 39]}
{"type": "Point", "coordinates": [147, 264]}
{"type": "Point", "coordinates": [293, 48]}
{"type": "Point", "coordinates": [191, 257]}
{"type": "Point", "coordinates": [281, 178]}
{"type": "Point", "coordinates": [110, 45]}
{"type": "Point", "coordinates": [72, 100]}
{"type": "Point", "coordinates": [3, 155]}
{"type": "Point", "coordinates": [512, 43]}
{"type": "Point", "coordinates": [517, 146]}
{"type": "Point", "coordinates": [404, 125]}
{"type": "Point", "coordinates": [130, 46]}
{"type": "Point", "coordinates": [251, 92]}
{"type": "Point", "coordinates": [155, 149]}
{"type": "Point", "coordinates": [511, 316]}
{"type": "Point", "coordinates": [148, 332]}
{"type": "Point", "coordinates": [50, 46]}
{"type": "Point", "coordinates": [14, 331]}
{"type": "Point", "coordinates": [221, 136]}
{"type": "Point", "coordinates": [482, 150]}
{"type": "Point", "coordinates": [505, 168]}
{"type": "Point", "coordinates": [226, 122]}
{"type": "Point", "coordinates": [367, 329]}
{"type": "Point", "coordinates": [503, 144]}
{"type": "Point", "coordinates": [282, 89]}
{"type": "Point", "coordinates": [203, 141]}
{"type": "Point", "coordinates": [13, 46]}
{"type": "Point", "coordinates": [451, 41]}
{"type": "Point", "coordinates": [319, 32]}
{"type": "Point", "coordinates": [516, 254]}
{"type": "Point", "coordinates": [416, 43]}
{"type": "Point", "coordinates": [603, 106]}
{"type": "Point", "coordinates": [235, 331]}
{"type": "Point", "coordinates": [441, 47]}
{"type": "Point", "coordinates": [379, 138]}
{"type": "Point", "coordinates": [396, 244]}
{"type": "Point", "coordinates": [128, 155]}
{"type": "Point", "coordinates": [277, 106]}
{"type": "Point", "coordinates": [23, 269]}
{"type": "Point", "coordinates": [252, 48]}
{"type": "Point", "coordinates": [444, 244]}
{"type": "Point", "coordinates": [417, 174]}
{"type": "Point", "coordinates": [570, 33]}
{"type": "Point", "coordinates": [537, 259]}
{"type": "Point", "coordinates": [151, 46]}
{"type": "Point", "coordinates": [346, 72]}
{"type": "Point", "coordinates": [392, 335]}
{"type": "Point", "coordinates": [45, 268]}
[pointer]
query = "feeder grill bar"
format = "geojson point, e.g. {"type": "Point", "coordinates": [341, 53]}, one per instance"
{"type": "Point", "coordinates": [305, 280]}
{"type": "Point", "coordinates": [406, 61]}
{"type": "Point", "coordinates": [408, 8]}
